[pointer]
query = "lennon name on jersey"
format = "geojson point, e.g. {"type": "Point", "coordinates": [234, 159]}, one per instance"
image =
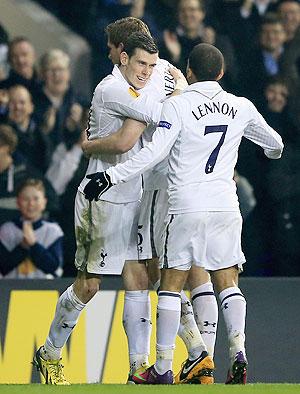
{"type": "Point", "coordinates": [213, 107]}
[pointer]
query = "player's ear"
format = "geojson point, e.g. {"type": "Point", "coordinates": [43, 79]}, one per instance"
{"type": "Point", "coordinates": [220, 75]}
{"type": "Point", "coordinates": [124, 58]}
{"type": "Point", "coordinates": [190, 75]}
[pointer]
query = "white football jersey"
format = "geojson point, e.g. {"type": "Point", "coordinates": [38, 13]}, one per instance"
{"type": "Point", "coordinates": [160, 86]}
{"type": "Point", "coordinates": [115, 100]}
{"type": "Point", "coordinates": [202, 129]}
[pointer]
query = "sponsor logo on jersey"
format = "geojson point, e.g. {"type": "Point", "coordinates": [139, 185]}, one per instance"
{"type": "Point", "coordinates": [165, 124]}
{"type": "Point", "coordinates": [133, 92]}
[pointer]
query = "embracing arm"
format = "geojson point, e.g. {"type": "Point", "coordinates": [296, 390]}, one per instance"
{"type": "Point", "coordinates": [119, 142]}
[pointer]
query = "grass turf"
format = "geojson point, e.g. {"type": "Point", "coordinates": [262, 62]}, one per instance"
{"type": "Point", "coordinates": [258, 388]}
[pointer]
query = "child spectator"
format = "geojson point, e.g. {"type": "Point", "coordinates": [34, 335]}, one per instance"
{"type": "Point", "coordinates": [31, 247]}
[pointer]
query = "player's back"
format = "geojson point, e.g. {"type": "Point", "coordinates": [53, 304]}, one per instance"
{"type": "Point", "coordinates": [202, 160]}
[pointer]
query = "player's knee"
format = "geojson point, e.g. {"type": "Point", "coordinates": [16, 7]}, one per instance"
{"type": "Point", "coordinates": [86, 289]}
{"type": "Point", "coordinates": [91, 288]}
{"type": "Point", "coordinates": [135, 277]}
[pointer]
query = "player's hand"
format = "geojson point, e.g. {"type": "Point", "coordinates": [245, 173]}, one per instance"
{"type": "Point", "coordinates": [99, 183]}
{"type": "Point", "coordinates": [180, 80]}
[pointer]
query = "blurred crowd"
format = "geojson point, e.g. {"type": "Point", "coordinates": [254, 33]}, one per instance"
{"type": "Point", "coordinates": [42, 122]}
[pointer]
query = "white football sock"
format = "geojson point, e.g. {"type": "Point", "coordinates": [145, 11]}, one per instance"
{"type": "Point", "coordinates": [233, 306]}
{"type": "Point", "coordinates": [137, 326]}
{"type": "Point", "coordinates": [167, 324]}
{"type": "Point", "coordinates": [67, 313]}
{"type": "Point", "coordinates": [188, 330]}
{"type": "Point", "coordinates": [205, 308]}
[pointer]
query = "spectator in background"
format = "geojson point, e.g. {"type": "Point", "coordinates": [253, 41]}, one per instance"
{"type": "Point", "coordinates": [67, 168]}
{"type": "Point", "coordinates": [13, 171]}
{"type": "Point", "coordinates": [191, 31]}
{"type": "Point", "coordinates": [3, 53]}
{"type": "Point", "coordinates": [266, 59]}
{"type": "Point", "coordinates": [282, 186]}
{"type": "Point", "coordinates": [245, 195]}
{"type": "Point", "coordinates": [56, 97]}
{"type": "Point", "coordinates": [68, 153]}
{"type": "Point", "coordinates": [31, 247]}
{"type": "Point", "coordinates": [21, 57]}
{"type": "Point", "coordinates": [241, 20]}
{"type": "Point", "coordinates": [276, 109]}
{"type": "Point", "coordinates": [289, 12]}
{"type": "Point", "coordinates": [32, 143]}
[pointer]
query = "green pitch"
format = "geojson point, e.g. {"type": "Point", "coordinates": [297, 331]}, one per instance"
{"type": "Point", "coordinates": [131, 389]}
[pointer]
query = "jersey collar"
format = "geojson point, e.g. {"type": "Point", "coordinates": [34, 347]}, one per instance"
{"type": "Point", "coordinates": [209, 88]}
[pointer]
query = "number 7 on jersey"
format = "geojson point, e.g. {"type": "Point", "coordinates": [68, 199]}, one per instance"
{"type": "Point", "coordinates": [210, 165]}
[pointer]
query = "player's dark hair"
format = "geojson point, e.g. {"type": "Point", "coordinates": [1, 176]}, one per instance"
{"type": "Point", "coordinates": [140, 40]}
{"type": "Point", "coordinates": [31, 182]}
{"type": "Point", "coordinates": [119, 31]}
{"type": "Point", "coordinates": [206, 62]}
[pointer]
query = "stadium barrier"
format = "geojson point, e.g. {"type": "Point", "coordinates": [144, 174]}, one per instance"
{"type": "Point", "coordinates": [97, 349]}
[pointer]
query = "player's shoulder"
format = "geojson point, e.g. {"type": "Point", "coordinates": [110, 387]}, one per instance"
{"type": "Point", "coordinates": [178, 103]}
{"type": "Point", "coordinates": [242, 103]}
{"type": "Point", "coordinates": [163, 64]}
{"type": "Point", "coordinates": [108, 85]}
{"type": "Point", "coordinates": [240, 100]}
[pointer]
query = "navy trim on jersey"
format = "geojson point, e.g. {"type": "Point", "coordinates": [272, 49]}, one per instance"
{"type": "Point", "coordinates": [166, 243]}
{"type": "Point", "coordinates": [205, 293]}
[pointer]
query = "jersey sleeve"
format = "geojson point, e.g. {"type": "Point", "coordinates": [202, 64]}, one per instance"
{"type": "Point", "coordinates": [128, 102]}
{"type": "Point", "coordinates": [259, 132]}
{"type": "Point", "coordinates": [154, 152]}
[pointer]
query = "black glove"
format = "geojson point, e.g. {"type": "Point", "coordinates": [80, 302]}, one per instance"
{"type": "Point", "coordinates": [98, 184]}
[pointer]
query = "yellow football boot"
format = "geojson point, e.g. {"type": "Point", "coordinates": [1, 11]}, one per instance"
{"type": "Point", "coordinates": [51, 370]}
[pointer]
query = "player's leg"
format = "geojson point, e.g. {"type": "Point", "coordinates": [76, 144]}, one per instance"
{"type": "Point", "coordinates": [199, 366]}
{"type": "Point", "coordinates": [71, 302]}
{"type": "Point", "coordinates": [188, 330]}
{"type": "Point", "coordinates": [233, 306]}
{"type": "Point", "coordinates": [205, 306]}
{"type": "Point", "coordinates": [137, 315]}
{"type": "Point", "coordinates": [227, 259]}
{"type": "Point", "coordinates": [176, 262]}
{"type": "Point", "coordinates": [137, 311]}
{"type": "Point", "coordinates": [168, 318]}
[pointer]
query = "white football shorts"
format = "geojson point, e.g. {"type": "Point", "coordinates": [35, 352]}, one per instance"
{"type": "Point", "coordinates": [106, 235]}
{"type": "Point", "coordinates": [211, 240]}
{"type": "Point", "coordinates": [154, 210]}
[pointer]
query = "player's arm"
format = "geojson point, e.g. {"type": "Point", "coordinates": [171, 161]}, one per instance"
{"type": "Point", "coordinates": [162, 142]}
{"type": "Point", "coordinates": [137, 105]}
{"type": "Point", "coordinates": [259, 132]}
{"type": "Point", "coordinates": [117, 143]}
